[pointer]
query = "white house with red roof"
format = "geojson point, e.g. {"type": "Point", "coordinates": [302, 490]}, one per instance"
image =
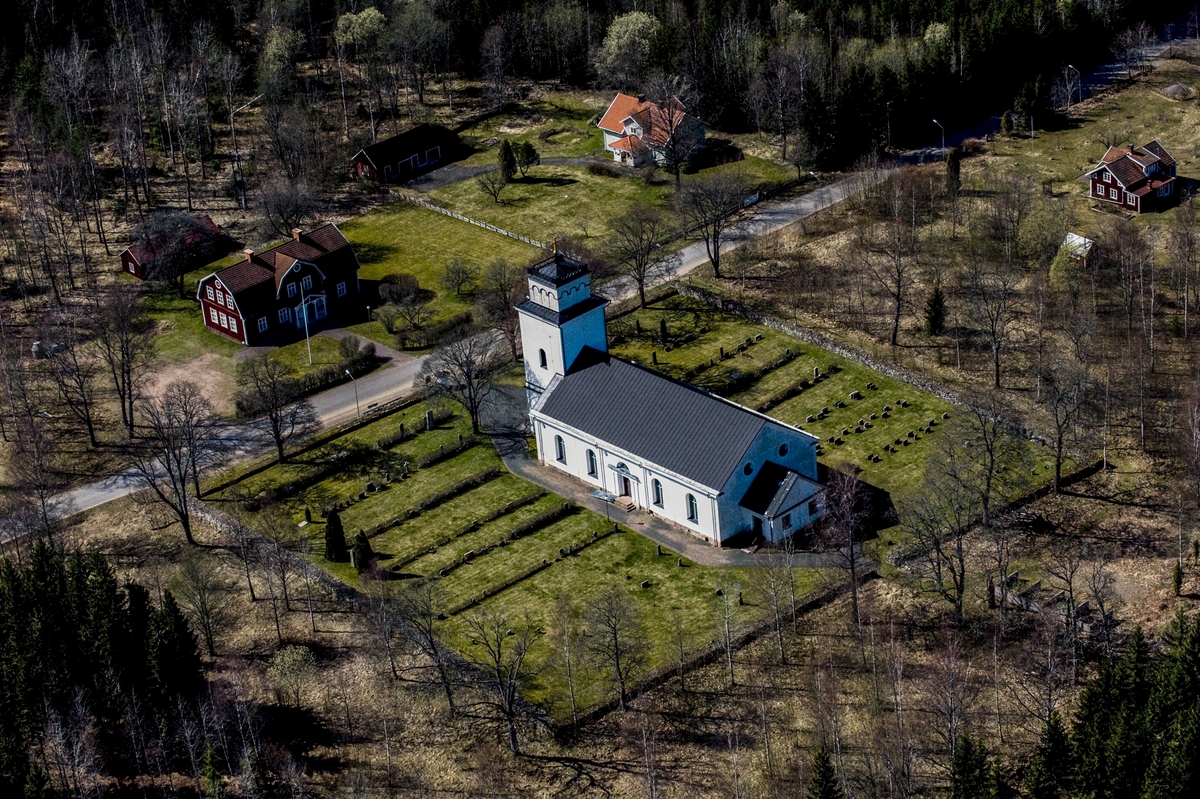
{"type": "Point", "coordinates": [637, 131]}
{"type": "Point", "coordinates": [1135, 178]}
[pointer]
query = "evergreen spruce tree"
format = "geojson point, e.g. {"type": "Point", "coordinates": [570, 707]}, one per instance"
{"type": "Point", "coordinates": [507, 160]}
{"type": "Point", "coordinates": [823, 784]}
{"type": "Point", "coordinates": [527, 157]}
{"type": "Point", "coordinates": [970, 777]}
{"type": "Point", "coordinates": [335, 539]}
{"type": "Point", "coordinates": [37, 784]}
{"type": "Point", "coordinates": [1051, 764]}
{"type": "Point", "coordinates": [935, 311]}
{"type": "Point", "coordinates": [1130, 742]}
{"type": "Point", "coordinates": [363, 554]}
{"type": "Point", "coordinates": [1174, 769]}
{"type": "Point", "coordinates": [1001, 784]}
{"type": "Point", "coordinates": [953, 171]}
{"type": "Point", "coordinates": [174, 653]}
{"type": "Point", "coordinates": [1098, 703]}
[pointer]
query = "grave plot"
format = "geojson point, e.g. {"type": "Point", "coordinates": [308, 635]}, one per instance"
{"type": "Point", "coordinates": [887, 428]}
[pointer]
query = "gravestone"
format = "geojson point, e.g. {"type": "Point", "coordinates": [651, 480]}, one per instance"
{"type": "Point", "coordinates": [428, 420]}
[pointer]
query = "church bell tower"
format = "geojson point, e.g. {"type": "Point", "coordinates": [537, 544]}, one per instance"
{"type": "Point", "coordinates": [559, 319]}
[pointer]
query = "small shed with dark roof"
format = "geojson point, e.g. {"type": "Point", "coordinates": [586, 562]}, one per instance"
{"type": "Point", "coordinates": [201, 235]}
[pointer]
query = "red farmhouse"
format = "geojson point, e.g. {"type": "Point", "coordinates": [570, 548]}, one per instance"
{"type": "Point", "coordinates": [136, 258]}
{"type": "Point", "coordinates": [1135, 178]}
{"type": "Point", "coordinates": [268, 297]}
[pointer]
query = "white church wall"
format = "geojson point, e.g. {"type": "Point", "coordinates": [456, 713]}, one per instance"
{"type": "Point", "coordinates": [538, 336]}
{"type": "Point", "coordinates": [800, 457]}
{"type": "Point", "coordinates": [675, 489]}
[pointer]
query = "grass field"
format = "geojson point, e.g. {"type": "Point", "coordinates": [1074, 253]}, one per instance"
{"type": "Point", "coordinates": [679, 597]}
{"type": "Point", "coordinates": [569, 201]}
{"type": "Point", "coordinates": [398, 237]}
{"type": "Point", "coordinates": [1137, 114]}
{"type": "Point", "coordinates": [559, 126]}
{"type": "Point", "coordinates": [562, 201]}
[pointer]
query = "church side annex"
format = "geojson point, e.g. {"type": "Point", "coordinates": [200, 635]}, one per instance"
{"type": "Point", "coordinates": [709, 465]}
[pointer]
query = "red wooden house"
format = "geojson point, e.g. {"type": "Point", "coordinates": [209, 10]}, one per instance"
{"type": "Point", "coordinates": [137, 257]}
{"type": "Point", "coordinates": [271, 296]}
{"type": "Point", "coordinates": [1135, 178]}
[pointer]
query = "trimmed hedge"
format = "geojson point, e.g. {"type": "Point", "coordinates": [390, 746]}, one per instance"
{"type": "Point", "coordinates": [358, 364]}
{"type": "Point", "coordinates": [450, 329]}
{"type": "Point", "coordinates": [425, 461]}
{"type": "Point", "coordinates": [511, 507]}
{"type": "Point", "coordinates": [387, 442]}
{"type": "Point", "coordinates": [545, 564]}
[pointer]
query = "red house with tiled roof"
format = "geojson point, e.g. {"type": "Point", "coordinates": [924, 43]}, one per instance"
{"type": "Point", "coordinates": [1135, 178]}
{"type": "Point", "coordinates": [269, 297]}
{"type": "Point", "coordinates": [137, 257]}
{"type": "Point", "coordinates": [637, 131]}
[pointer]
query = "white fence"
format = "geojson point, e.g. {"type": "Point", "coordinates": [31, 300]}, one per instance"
{"type": "Point", "coordinates": [476, 222]}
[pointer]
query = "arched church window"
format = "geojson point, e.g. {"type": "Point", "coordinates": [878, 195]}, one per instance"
{"type": "Point", "coordinates": [656, 488]}
{"type": "Point", "coordinates": [693, 512]}
{"type": "Point", "coordinates": [542, 358]}
{"type": "Point", "coordinates": [560, 449]}
{"type": "Point", "coordinates": [591, 461]}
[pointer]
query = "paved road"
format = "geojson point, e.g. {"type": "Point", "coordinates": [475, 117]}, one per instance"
{"type": "Point", "coordinates": [342, 404]}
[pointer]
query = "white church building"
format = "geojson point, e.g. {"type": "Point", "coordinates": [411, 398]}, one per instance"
{"type": "Point", "coordinates": [709, 465]}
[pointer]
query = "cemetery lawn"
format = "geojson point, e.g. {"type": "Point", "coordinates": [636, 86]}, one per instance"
{"type": "Point", "coordinates": [697, 333]}
{"type": "Point", "coordinates": [418, 547]}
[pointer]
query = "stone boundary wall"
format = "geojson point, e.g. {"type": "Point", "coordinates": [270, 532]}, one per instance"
{"type": "Point", "coordinates": [225, 524]}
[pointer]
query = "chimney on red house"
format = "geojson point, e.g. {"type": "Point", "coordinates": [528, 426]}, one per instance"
{"type": "Point", "coordinates": [248, 253]}
{"type": "Point", "coordinates": [296, 234]}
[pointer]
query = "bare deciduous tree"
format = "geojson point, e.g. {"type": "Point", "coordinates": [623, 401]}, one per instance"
{"type": "Point", "coordinates": [615, 639]}
{"type": "Point", "coordinates": [268, 390]}
{"type": "Point", "coordinates": [175, 444]}
{"type": "Point", "coordinates": [500, 649]}
{"type": "Point", "coordinates": [419, 608]}
{"type": "Point", "coordinates": [639, 250]}
{"type": "Point", "coordinates": [711, 206]}
{"type": "Point", "coordinates": [464, 370]}
{"type": "Point", "coordinates": [205, 595]}
{"type": "Point", "coordinates": [126, 348]}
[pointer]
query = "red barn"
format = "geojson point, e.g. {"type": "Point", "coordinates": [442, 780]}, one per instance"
{"type": "Point", "coordinates": [1135, 178]}
{"type": "Point", "coordinates": [136, 258]}
{"type": "Point", "coordinates": [270, 296]}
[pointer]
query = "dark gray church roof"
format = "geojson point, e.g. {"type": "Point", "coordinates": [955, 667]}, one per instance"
{"type": "Point", "coordinates": [671, 424]}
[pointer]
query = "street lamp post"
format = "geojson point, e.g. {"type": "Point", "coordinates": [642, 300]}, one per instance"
{"type": "Point", "coordinates": [1080, 76]}
{"type": "Point", "coordinates": [355, 382]}
{"type": "Point", "coordinates": [237, 158]}
{"type": "Point", "coordinates": [939, 124]}
{"type": "Point", "coordinates": [304, 310]}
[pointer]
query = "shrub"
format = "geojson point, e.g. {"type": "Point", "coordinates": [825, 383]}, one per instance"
{"type": "Point", "coordinates": [398, 287]}
{"type": "Point", "coordinates": [604, 170]}
{"type": "Point", "coordinates": [461, 487]}
{"type": "Point", "coordinates": [444, 453]}
{"type": "Point", "coordinates": [335, 539]}
{"type": "Point", "coordinates": [363, 554]}
{"type": "Point", "coordinates": [448, 330]}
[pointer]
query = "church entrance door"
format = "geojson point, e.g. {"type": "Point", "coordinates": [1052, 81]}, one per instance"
{"type": "Point", "coordinates": [626, 487]}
